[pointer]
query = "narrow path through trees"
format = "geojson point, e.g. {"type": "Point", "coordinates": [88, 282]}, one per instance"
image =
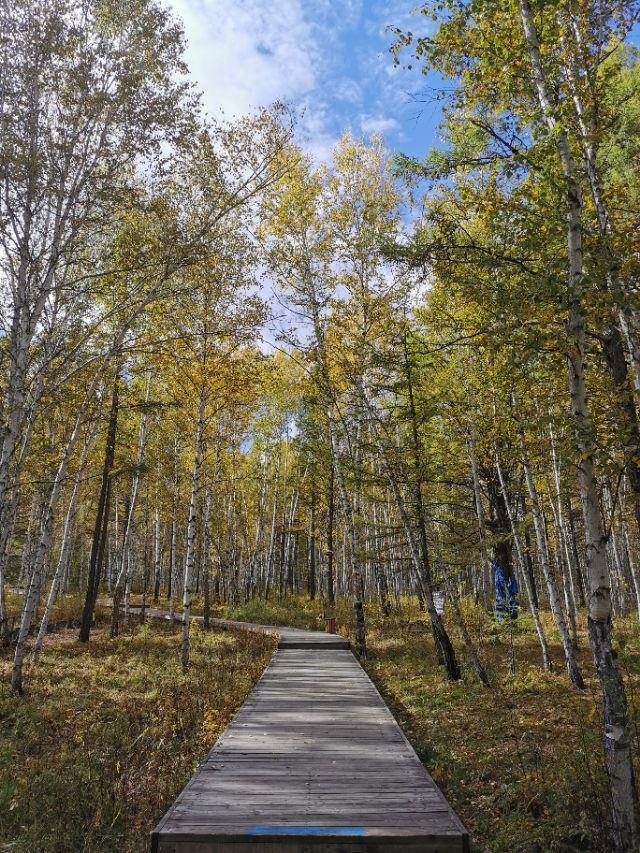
{"type": "Point", "coordinates": [313, 757]}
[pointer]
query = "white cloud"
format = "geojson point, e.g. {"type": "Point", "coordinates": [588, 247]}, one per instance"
{"type": "Point", "coordinates": [328, 58]}
{"type": "Point", "coordinates": [348, 90]}
{"type": "Point", "coordinates": [248, 53]}
{"type": "Point", "coordinates": [318, 140]}
{"type": "Point", "coordinates": [378, 124]}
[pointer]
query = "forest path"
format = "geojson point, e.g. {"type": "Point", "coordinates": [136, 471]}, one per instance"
{"type": "Point", "coordinates": [313, 761]}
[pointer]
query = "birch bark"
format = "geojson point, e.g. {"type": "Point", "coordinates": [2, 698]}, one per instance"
{"type": "Point", "coordinates": [191, 534]}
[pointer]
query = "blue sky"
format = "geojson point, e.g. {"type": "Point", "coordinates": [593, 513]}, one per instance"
{"type": "Point", "coordinates": [329, 58]}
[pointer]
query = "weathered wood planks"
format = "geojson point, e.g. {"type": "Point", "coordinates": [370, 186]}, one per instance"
{"type": "Point", "coordinates": [313, 761]}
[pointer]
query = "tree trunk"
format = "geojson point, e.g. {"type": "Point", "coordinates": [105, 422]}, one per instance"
{"type": "Point", "coordinates": [486, 562]}
{"type": "Point", "coordinates": [123, 581]}
{"type": "Point", "coordinates": [575, 676]}
{"type": "Point", "coordinates": [64, 550]}
{"type": "Point", "coordinates": [272, 536]}
{"type": "Point", "coordinates": [157, 551]}
{"type": "Point", "coordinates": [206, 556]}
{"type": "Point", "coordinates": [533, 602]}
{"type": "Point", "coordinates": [331, 504]}
{"type": "Point", "coordinates": [466, 637]}
{"type": "Point", "coordinates": [191, 535]}
{"type": "Point", "coordinates": [312, 544]}
{"type": "Point", "coordinates": [443, 642]}
{"type": "Point", "coordinates": [171, 576]}
{"type": "Point", "coordinates": [102, 517]}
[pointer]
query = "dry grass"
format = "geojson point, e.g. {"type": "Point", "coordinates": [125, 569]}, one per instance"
{"type": "Point", "coordinates": [108, 733]}
{"type": "Point", "coordinates": [521, 762]}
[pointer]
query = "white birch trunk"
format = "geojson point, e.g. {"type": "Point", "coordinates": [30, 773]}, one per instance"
{"type": "Point", "coordinates": [42, 550]}
{"type": "Point", "coordinates": [174, 533]}
{"type": "Point", "coordinates": [575, 676]}
{"type": "Point", "coordinates": [64, 548]}
{"type": "Point", "coordinates": [546, 659]}
{"type": "Point", "coordinates": [124, 574]}
{"type": "Point", "coordinates": [486, 562]}
{"type": "Point", "coordinates": [191, 535]}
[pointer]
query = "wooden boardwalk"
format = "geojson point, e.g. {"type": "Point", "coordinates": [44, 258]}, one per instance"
{"type": "Point", "coordinates": [313, 761]}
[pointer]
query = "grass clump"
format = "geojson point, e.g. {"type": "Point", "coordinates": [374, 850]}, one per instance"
{"type": "Point", "coordinates": [293, 611]}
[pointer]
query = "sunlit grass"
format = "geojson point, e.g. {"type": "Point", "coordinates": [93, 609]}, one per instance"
{"type": "Point", "coordinates": [108, 733]}
{"type": "Point", "coordinates": [521, 762]}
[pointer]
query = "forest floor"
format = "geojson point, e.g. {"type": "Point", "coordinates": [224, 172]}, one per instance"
{"type": "Point", "coordinates": [107, 734]}
{"type": "Point", "coordinates": [521, 762]}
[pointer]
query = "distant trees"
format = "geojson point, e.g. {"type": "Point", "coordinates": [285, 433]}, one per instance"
{"type": "Point", "coordinates": [86, 92]}
{"type": "Point", "coordinates": [91, 102]}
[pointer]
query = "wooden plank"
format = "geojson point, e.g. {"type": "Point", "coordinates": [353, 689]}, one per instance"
{"type": "Point", "coordinates": [294, 842]}
{"type": "Point", "coordinates": [294, 638]}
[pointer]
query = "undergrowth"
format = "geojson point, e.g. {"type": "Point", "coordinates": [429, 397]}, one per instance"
{"type": "Point", "coordinates": [108, 733]}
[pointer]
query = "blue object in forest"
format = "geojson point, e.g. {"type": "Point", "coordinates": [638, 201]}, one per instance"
{"type": "Point", "coordinates": [506, 593]}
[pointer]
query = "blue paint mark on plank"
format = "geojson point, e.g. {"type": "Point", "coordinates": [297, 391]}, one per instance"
{"type": "Point", "coordinates": [306, 830]}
